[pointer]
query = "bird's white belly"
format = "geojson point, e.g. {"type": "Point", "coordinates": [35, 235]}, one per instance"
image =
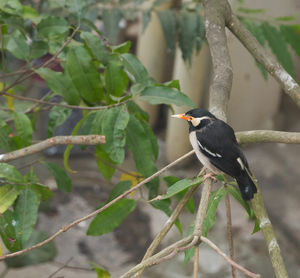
{"type": "Point", "coordinates": [203, 159]}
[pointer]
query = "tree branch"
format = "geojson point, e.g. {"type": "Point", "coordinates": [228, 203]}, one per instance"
{"type": "Point", "coordinates": [50, 142]}
{"type": "Point", "coordinates": [168, 225]}
{"type": "Point", "coordinates": [269, 235]}
{"type": "Point", "coordinates": [94, 213]}
{"type": "Point", "coordinates": [268, 136]}
{"type": "Point", "coordinates": [266, 59]}
{"type": "Point", "coordinates": [215, 13]}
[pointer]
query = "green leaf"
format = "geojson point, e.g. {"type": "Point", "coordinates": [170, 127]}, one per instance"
{"type": "Point", "coordinates": [96, 47]}
{"type": "Point", "coordinates": [111, 19]}
{"type": "Point", "coordinates": [116, 79]}
{"type": "Point", "coordinates": [106, 221]}
{"type": "Point", "coordinates": [42, 190]}
{"type": "Point", "coordinates": [70, 147]}
{"type": "Point", "coordinates": [31, 14]}
{"type": "Point", "coordinates": [188, 27]}
{"type": "Point", "coordinates": [57, 116]}
{"type": "Point", "coordinates": [140, 145]}
{"type": "Point", "coordinates": [25, 214]}
{"type": "Point", "coordinates": [16, 44]}
{"type": "Point", "coordinates": [52, 26]}
{"type": "Point", "coordinates": [190, 205]}
{"type": "Point", "coordinates": [164, 205]}
{"type": "Point", "coordinates": [137, 112]}
{"type": "Point", "coordinates": [104, 162]}
{"type": "Point", "coordinates": [23, 127]}
{"type": "Point", "coordinates": [165, 95]}
{"type": "Point", "coordinates": [6, 142]}
{"type": "Point", "coordinates": [38, 49]}
{"type": "Point", "coordinates": [148, 130]}
{"type": "Point", "coordinates": [256, 30]}
{"type": "Point", "coordinates": [101, 272]}
{"type": "Point", "coordinates": [213, 204]}
{"type": "Point", "coordinates": [8, 195]}
{"type": "Point", "coordinates": [292, 36]}
{"type": "Point", "coordinates": [279, 47]}
{"type": "Point", "coordinates": [39, 255]}
{"type": "Point", "coordinates": [112, 123]}
{"type": "Point", "coordinates": [180, 186]}
{"type": "Point", "coordinates": [8, 232]}
{"type": "Point", "coordinates": [63, 181]}
{"type": "Point", "coordinates": [168, 23]}
{"type": "Point", "coordinates": [61, 84]}
{"type": "Point", "coordinates": [188, 254]}
{"type": "Point", "coordinates": [135, 69]}
{"type": "Point", "coordinates": [121, 48]}
{"type": "Point", "coordinates": [251, 11]}
{"type": "Point", "coordinates": [84, 74]}
{"type": "Point", "coordinates": [10, 173]}
{"type": "Point", "coordinates": [235, 192]}
{"type": "Point", "coordinates": [118, 189]}
{"type": "Point", "coordinates": [285, 18]}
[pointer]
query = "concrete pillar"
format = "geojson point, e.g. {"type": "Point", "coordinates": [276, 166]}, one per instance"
{"type": "Point", "coordinates": [151, 51]}
{"type": "Point", "coordinates": [193, 81]}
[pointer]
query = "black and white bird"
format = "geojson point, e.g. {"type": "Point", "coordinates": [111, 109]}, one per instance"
{"type": "Point", "coordinates": [217, 149]}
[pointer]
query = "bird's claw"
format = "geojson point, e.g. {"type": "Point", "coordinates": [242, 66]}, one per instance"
{"type": "Point", "coordinates": [210, 175]}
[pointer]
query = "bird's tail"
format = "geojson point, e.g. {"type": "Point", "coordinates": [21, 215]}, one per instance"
{"type": "Point", "coordinates": [246, 186]}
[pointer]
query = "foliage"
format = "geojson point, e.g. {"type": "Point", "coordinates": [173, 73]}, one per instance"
{"type": "Point", "coordinates": [83, 66]}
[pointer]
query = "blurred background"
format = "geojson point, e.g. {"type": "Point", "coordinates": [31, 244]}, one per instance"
{"type": "Point", "coordinates": [256, 102]}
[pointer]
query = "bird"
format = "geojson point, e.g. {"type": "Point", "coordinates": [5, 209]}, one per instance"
{"type": "Point", "coordinates": [216, 147]}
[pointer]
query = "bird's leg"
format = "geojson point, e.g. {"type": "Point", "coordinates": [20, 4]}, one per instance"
{"type": "Point", "coordinates": [209, 175]}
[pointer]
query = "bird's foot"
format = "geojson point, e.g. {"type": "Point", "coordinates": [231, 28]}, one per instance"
{"type": "Point", "coordinates": [210, 175]}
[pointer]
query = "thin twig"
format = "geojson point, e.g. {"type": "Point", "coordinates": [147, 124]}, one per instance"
{"type": "Point", "coordinates": [62, 267]}
{"type": "Point", "coordinates": [94, 213]}
{"type": "Point", "coordinates": [196, 262]}
{"type": "Point", "coordinates": [233, 263]}
{"type": "Point", "coordinates": [46, 63]}
{"type": "Point", "coordinates": [229, 232]}
{"type": "Point", "coordinates": [90, 108]}
{"type": "Point", "coordinates": [50, 142]}
{"type": "Point", "coordinates": [2, 56]}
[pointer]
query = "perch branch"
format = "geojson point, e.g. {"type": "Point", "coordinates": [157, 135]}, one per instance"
{"type": "Point", "coordinates": [94, 213]}
{"type": "Point", "coordinates": [268, 136]}
{"type": "Point", "coordinates": [266, 59]}
{"type": "Point", "coordinates": [50, 142]}
{"type": "Point", "coordinates": [168, 225]}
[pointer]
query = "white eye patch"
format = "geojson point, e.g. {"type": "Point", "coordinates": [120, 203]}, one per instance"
{"type": "Point", "coordinates": [196, 121]}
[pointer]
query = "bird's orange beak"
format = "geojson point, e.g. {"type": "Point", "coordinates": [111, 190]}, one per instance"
{"type": "Point", "coordinates": [183, 116]}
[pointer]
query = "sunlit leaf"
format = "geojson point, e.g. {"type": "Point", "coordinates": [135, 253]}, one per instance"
{"type": "Point", "coordinates": [23, 127]}
{"type": "Point", "coordinates": [16, 44]}
{"type": "Point", "coordinates": [8, 195]}
{"type": "Point", "coordinates": [165, 95]}
{"type": "Point", "coordinates": [105, 163]}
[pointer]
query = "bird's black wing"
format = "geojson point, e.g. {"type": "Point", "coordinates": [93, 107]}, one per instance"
{"type": "Point", "coordinates": [217, 141]}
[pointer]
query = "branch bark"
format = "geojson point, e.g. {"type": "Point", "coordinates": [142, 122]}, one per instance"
{"type": "Point", "coordinates": [50, 142]}
{"type": "Point", "coordinates": [215, 14]}
{"type": "Point", "coordinates": [266, 59]}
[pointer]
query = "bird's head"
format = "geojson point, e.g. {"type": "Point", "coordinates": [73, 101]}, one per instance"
{"type": "Point", "coordinates": [196, 118]}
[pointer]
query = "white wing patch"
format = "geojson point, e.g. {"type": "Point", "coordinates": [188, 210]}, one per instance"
{"type": "Point", "coordinates": [208, 151]}
{"type": "Point", "coordinates": [241, 163]}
